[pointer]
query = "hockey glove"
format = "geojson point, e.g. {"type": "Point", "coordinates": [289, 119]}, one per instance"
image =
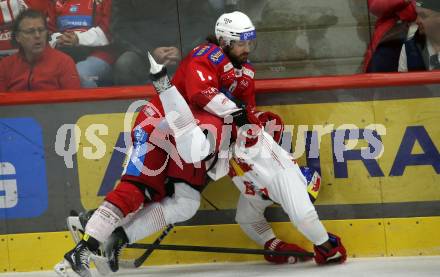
{"type": "Point", "coordinates": [249, 135]}
{"type": "Point", "coordinates": [273, 124]}
{"type": "Point", "coordinates": [281, 246]}
{"type": "Point", "coordinates": [337, 254]}
{"type": "Point", "coordinates": [245, 116]}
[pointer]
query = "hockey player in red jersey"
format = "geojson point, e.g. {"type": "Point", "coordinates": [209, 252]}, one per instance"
{"type": "Point", "coordinates": [199, 71]}
{"type": "Point", "coordinates": [217, 83]}
{"type": "Point", "coordinates": [265, 165]}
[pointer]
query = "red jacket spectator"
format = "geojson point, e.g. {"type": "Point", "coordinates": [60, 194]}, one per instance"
{"type": "Point", "coordinates": [89, 20]}
{"type": "Point", "coordinates": [53, 70]}
{"type": "Point", "coordinates": [389, 12]}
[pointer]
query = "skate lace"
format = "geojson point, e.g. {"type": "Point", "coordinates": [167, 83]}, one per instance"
{"type": "Point", "coordinates": [84, 257]}
{"type": "Point", "coordinates": [117, 250]}
{"type": "Point", "coordinates": [121, 245]}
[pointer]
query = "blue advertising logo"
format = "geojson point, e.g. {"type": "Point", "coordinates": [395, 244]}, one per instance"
{"type": "Point", "coordinates": [23, 182]}
{"type": "Point", "coordinates": [74, 8]}
{"type": "Point", "coordinates": [248, 35]}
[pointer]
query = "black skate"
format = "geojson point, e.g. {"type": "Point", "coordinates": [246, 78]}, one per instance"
{"type": "Point", "coordinates": [159, 76]}
{"type": "Point", "coordinates": [113, 248]}
{"type": "Point", "coordinates": [78, 259]}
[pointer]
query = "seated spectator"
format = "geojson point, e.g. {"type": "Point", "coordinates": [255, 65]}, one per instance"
{"type": "Point", "coordinates": [81, 29]}
{"type": "Point", "coordinates": [138, 27]}
{"type": "Point", "coordinates": [394, 18]}
{"type": "Point", "coordinates": [36, 66]}
{"type": "Point", "coordinates": [9, 10]}
{"type": "Point", "coordinates": [158, 26]}
{"type": "Point", "coordinates": [422, 47]}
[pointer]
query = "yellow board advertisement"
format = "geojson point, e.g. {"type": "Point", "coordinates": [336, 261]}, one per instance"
{"type": "Point", "coordinates": [403, 136]}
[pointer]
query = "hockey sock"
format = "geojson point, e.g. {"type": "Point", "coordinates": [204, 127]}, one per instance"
{"type": "Point", "coordinates": [103, 222]}
{"type": "Point", "coordinates": [191, 142]}
{"type": "Point", "coordinates": [145, 222]}
{"type": "Point", "coordinates": [150, 219]}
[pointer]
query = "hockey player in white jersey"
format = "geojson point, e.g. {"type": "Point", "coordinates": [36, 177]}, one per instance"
{"type": "Point", "coordinates": [272, 169]}
{"type": "Point", "coordinates": [263, 172]}
{"type": "Point", "coordinates": [268, 167]}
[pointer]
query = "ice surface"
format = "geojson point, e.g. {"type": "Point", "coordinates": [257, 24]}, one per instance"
{"type": "Point", "coordinates": [368, 267]}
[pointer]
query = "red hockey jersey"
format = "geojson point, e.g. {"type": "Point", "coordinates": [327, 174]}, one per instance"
{"type": "Point", "coordinates": [207, 75]}
{"type": "Point", "coordinates": [82, 15]}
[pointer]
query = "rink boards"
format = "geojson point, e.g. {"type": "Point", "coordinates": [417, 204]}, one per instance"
{"type": "Point", "coordinates": [377, 149]}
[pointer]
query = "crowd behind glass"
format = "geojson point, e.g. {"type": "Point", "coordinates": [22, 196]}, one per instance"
{"type": "Point", "coordinates": [108, 39]}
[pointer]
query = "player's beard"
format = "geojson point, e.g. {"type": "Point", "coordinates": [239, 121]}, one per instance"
{"type": "Point", "coordinates": [237, 61]}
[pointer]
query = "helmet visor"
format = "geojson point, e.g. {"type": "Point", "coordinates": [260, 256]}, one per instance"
{"type": "Point", "coordinates": [249, 45]}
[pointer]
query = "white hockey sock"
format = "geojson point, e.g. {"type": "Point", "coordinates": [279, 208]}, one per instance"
{"type": "Point", "coordinates": [183, 205]}
{"type": "Point", "coordinates": [250, 216]}
{"type": "Point", "coordinates": [260, 232]}
{"type": "Point", "coordinates": [145, 222]}
{"type": "Point", "coordinates": [191, 142]}
{"type": "Point", "coordinates": [313, 229]}
{"type": "Point", "coordinates": [177, 111]}
{"type": "Point", "coordinates": [154, 217]}
{"type": "Point", "coordinates": [103, 221]}
{"type": "Point", "coordinates": [289, 190]}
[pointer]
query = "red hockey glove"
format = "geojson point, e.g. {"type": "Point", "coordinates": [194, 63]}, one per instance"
{"type": "Point", "coordinates": [246, 117]}
{"type": "Point", "coordinates": [281, 246]}
{"type": "Point", "coordinates": [273, 124]}
{"type": "Point", "coordinates": [337, 254]}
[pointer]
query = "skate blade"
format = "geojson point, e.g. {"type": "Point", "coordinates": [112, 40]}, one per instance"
{"type": "Point", "coordinates": [101, 264]}
{"type": "Point", "coordinates": [75, 228]}
{"type": "Point", "coordinates": [61, 268]}
{"type": "Point", "coordinates": [126, 264]}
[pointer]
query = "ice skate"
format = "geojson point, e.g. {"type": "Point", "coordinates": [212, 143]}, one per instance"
{"type": "Point", "coordinates": [78, 259]}
{"type": "Point", "coordinates": [159, 76]}
{"type": "Point", "coordinates": [113, 248]}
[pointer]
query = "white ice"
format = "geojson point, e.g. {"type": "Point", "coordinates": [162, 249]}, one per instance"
{"type": "Point", "coordinates": [368, 267]}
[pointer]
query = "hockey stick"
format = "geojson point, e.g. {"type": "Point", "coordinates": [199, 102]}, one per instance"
{"type": "Point", "coordinates": [141, 259]}
{"type": "Point", "coordinates": [220, 250]}
{"type": "Point", "coordinates": [76, 229]}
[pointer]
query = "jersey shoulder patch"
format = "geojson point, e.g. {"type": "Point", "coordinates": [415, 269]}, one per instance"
{"type": "Point", "coordinates": [228, 66]}
{"type": "Point", "coordinates": [202, 50]}
{"type": "Point", "coordinates": [249, 72]}
{"type": "Point", "coordinates": [216, 56]}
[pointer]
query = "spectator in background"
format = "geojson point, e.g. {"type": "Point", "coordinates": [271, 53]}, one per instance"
{"type": "Point", "coordinates": [422, 47]}
{"type": "Point", "coordinates": [155, 25]}
{"type": "Point", "coordinates": [9, 10]}
{"type": "Point", "coordinates": [81, 29]}
{"type": "Point", "coordinates": [36, 66]}
{"type": "Point", "coordinates": [140, 26]}
{"type": "Point", "coordinates": [394, 18]}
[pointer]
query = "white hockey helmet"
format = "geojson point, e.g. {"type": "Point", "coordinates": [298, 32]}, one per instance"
{"type": "Point", "coordinates": [234, 26]}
